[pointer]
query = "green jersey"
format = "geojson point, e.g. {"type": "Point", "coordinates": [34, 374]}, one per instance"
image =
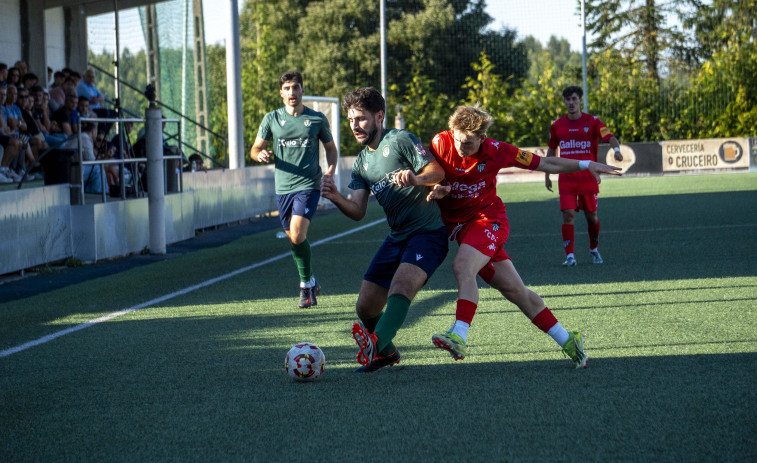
{"type": "Point", "coordinates": [295, 148]}
{"type": "Point", "coordinates": [407, 210]}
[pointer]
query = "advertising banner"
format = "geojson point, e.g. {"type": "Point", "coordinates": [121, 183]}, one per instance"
{"type": "Point", "coordinates": [707, 154]}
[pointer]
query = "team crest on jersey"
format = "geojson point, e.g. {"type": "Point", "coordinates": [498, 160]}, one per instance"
{"type": "Point", "coordinates": [586, 130]}
{"type": "Point", "coordinates": [495, 227]}
{"type": "Point", "coordinates": [307, 122]}
{"type": "Point", "coordinates": [386, 151]}
{"type": "Point", "coordinates": [420, 149]}
{"type": "Point", "coordinates": [481, 166]}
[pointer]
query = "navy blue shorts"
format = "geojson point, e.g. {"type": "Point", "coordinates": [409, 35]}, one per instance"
{"type": "Point", "coordinates": [302, 203]}
{"type": "Point", "coordinates": [426, 250]}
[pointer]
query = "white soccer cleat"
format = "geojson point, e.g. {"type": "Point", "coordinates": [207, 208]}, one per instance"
{"type": "Point", "coordinates": [570, 262]}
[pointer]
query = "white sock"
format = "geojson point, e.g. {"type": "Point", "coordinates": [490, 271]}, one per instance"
{"type": "Point", "coordinates": [460, 328]}
{"type": "Point", "coordinates": [308, 284]}
{"type": "Point", "coordinates": [570, 255]}
{"type": "Point", "coordinates": [559, 334]}
{"type": "Point", "coordinates": [593, 250]}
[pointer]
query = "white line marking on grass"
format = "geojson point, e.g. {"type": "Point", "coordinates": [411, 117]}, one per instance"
{"type": "Point", "coordinates": [160, 299]}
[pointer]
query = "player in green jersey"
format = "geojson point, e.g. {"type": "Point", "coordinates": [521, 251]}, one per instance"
{"type": "Point", "coordinates": [295, 131]}
{"type": "Point", "coordinates": [399, 171]}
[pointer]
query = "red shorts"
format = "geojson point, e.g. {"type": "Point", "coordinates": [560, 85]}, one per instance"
{"type": "Point", "coordinates": [586, 203]}
{"type": "Point", "coordinates": [487, 236]}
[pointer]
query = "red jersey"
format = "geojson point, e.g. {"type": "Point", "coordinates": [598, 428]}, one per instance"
{"type": "Point", "coordinates": [474, 179]}
{"type": "Point", "coordinates": [578, 140]}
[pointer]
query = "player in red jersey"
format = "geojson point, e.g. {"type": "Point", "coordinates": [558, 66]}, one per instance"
{"type": "Point", "coordinates": [475, 217]}
{"type": "Point", "coordinates": [577, 134]}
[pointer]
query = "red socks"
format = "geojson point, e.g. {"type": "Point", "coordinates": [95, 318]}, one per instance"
{"type": "Point", "coordinates": [567, 238]}
{"type": "Point", "coordinates": [593, 235]}
{"type": "Point", "coordinates": [544, 320]}
{"type": "Point", "coordinates": [465, 310]}
{"type": "Point", "coordinates": [568, 235]}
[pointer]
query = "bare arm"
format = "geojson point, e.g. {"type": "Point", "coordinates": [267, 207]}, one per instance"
{"type": "Point", "coordinates": [555, 165]}
{"type": "Point", "coordinates": [615, 146]}
{"type": "Point", "coordinates": [331, 157]}
{"type": "Point", "coordinates": [551, 153]}
{"type": "Point", "coordinates": [258, 151]}
{"type": "Point", "coordinates": [431, 174]}
{"type": "Point", "coordinates": [354, 208]}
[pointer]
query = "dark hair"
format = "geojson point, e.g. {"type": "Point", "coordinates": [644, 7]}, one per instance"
{"type": "Point", "coordinates": [35, 89]}
{"type": "Point", "coordinates": [366, 99]}
{"type": "Point", "coordinates": [82, 98]}
{"type": "Point", "coordinates": [3, 66]}
{"type": "Point", "coordinates": [88, 126]}
{"type": "Point", "coordinates": [71, 95]}
{"type": "Point", "coordinates": [571, 90]}
{"type": "Point", "coordinates": [291, 76]}
{"type": "Point", "coordinates": [75, 75]}
{"type": "Point", "coordinates": [29, 76]}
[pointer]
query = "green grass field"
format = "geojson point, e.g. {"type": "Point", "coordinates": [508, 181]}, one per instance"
{"type": "Point", "coordinates": [670, 321]}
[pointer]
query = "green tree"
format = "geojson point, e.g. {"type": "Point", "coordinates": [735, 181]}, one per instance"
{"type": "Point", "coordinates": [425, 111]}
{"type": "Point", "coordinates": [488, 88]}
{"type": "Point", "coordinates": [215, 62]}
{"type": "Point", "coordinates": [539, 102]}
{"type": "Point", "coordinates": [268, 31]}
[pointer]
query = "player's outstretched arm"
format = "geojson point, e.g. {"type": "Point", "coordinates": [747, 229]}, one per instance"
{"type": "Point", "coordinates": [565, 166]}
{"type": "Point", "coordinates": [354, 208]}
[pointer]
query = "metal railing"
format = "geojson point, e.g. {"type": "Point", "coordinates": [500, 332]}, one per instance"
{"type": "Point", "coordinates": [182, 116]}
{"type": "Point", "coordinates": [123, 161]}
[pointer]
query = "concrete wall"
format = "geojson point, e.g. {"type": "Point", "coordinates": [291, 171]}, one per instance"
{"type": "Point", "coordinates": [35, 226]}
{"type": "Point", "coordinates": [39, 225]}
{"type": "Point", "coordinates": [55, 38]}
{"type": "Point", "coordinates": [10, 25]}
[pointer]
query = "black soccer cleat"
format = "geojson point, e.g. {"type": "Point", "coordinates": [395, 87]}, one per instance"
{"type": "Point", "coordinates": [380, 361]}
{"type": "Point", "coordinates": [307, 297]}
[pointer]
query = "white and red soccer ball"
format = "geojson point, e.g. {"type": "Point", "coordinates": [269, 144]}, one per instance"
{"type": "Point", "coordinates": [305, 362]}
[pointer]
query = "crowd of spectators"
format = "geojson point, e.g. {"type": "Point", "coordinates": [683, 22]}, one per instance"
{"type": "Point", "coordinates": [37, 115]}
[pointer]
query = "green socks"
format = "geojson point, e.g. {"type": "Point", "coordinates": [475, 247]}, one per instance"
{"type": "Point", "coordinates": [397, 307]}
{"type": "Point", "coordinates": [301, 255]}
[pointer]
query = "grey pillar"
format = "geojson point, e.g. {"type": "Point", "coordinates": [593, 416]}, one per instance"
{"type": "Point", "coordinates": [234, 88]}
{"type": "Point", "coordinates": [155, 184]}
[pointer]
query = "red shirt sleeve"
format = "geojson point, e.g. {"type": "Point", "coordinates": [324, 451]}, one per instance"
{"type": "Point", "coordinates": [604, 132]}
{"type": "Point", "coordinates": [527, 160]}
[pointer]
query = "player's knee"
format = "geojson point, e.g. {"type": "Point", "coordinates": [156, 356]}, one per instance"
{"type": "Point", "coordinates": [460, 270]}
{"type": "Point", "coordinates": [298, 238]}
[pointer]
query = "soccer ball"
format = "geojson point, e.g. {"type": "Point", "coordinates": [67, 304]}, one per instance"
{"type": "Point", "coordinates": [305, 362]}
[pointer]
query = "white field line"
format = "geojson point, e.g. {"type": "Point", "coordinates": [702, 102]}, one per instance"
{"type": "Point", "coordinates": [160, 299]}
